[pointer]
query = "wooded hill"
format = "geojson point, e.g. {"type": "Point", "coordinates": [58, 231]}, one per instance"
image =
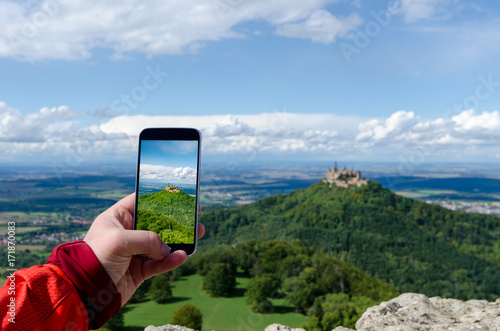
{"type": "Point", "coordinates": [170, 214]}
{"type": "Point", "coordinates": [411, 245]}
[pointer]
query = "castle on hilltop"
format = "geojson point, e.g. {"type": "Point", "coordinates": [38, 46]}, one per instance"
{"type": "Point", "coordinates": [171, 188]}
{"type": "Point", "coordinates": [344, 178]}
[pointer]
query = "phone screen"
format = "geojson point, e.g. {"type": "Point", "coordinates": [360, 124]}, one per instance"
{"type": "Point", "coordinates": [168, 185]}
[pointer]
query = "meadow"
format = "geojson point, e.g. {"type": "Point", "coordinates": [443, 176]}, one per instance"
{"type": "Point", "coordinates": [219, 313]}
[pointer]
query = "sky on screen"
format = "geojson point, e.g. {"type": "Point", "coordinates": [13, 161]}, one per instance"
{"type": "Point", "coordinates": [329, 79]}
{"type": "Point", "coordinates": [169, 161]}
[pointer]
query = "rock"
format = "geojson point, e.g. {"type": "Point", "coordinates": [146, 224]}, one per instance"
{"type": "Point", "coordinates": [279, 327]}
{"type": "Point", "coordinates": [168, 327]}
{"type": "Point", "coordinates": [412, 312]}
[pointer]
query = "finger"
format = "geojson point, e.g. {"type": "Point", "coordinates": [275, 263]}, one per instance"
{"type": "Point", "coordinates": [123, 211]}
{"type": "Point", "coordinates": [145, 242]}
{"type": "Point", "coordinates": [128, 203]}
{"type": "Point", "coordinates": [201, 230]}
{"type": "Point", "coordinates": [152, 268]}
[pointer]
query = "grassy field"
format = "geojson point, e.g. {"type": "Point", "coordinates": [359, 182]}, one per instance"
{"type": "Point", "coordinates": [4, 229]}
{"type": "Point", "coordinates": [218, 313]}
{"type": "Point", "coordinates": [21, 248]}
{"type": "Point", "coordinates": [23, 217]}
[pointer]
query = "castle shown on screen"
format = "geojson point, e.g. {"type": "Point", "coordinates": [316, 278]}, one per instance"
{"type": "Point", "coordinates": [171, 188]}
{"type": "Point", "coordinates": [344, 178]}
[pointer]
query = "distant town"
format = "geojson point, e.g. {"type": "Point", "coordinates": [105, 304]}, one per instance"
{"type": "Point", "coordinates": [38, 224]}
{"type": "Point", "coordinates": [470, 207]}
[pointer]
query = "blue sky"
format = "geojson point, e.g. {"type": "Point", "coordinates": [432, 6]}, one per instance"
{"type": "Point", "coordinates": [169, 161]}
{"type": "Point", "coordinates": [346, 80]}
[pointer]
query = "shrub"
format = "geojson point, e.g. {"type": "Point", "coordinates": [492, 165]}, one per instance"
{"type": "Point", "coordinates": [160, 290]}
{"type": "Point", "coordinates": [220, 281]}
{"type": "Point", "coordinates": [189, 316]}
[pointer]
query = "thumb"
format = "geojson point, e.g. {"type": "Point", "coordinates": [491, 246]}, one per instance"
{"type": "Point", "coordinates": [145, 242]}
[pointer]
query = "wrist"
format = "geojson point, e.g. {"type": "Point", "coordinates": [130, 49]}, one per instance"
{"type": "Point", "coordinates": [95, 287]}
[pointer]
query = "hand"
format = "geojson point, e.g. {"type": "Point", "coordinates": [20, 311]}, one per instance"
{"type": "Point", "coordinates": [116, 245]}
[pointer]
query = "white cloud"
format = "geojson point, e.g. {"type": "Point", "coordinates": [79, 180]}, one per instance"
{"type": "Point", "coordinates": [468, 121]}
{"type": "Point", "coordinates": [185, 175]}
{"type": "Point", "coordinates": [61, 29]}
{"type": "Point", "coordinates": [266, 132]}
{"type": "Point", "coordinates": [229, 126]}
{"type": "Point", "coordinates": [59, 131]}
{"type": "Point", "coordinates": [48, 123]}
{"type": "Point", "coordinates": [414, 10]}
{"type": "Point", "coordinates": [463, 134]}
{"type": "Point", "coordinates": [321, 27]}
{"type": "Point", "coordinates": [375, 130]}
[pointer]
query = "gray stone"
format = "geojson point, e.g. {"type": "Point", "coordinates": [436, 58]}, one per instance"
{"type": "Point", "coordinates": [279, 327]}
{"type": "Point", "coordinates": [168, 327]}
{"type": "Point", "coordinates": [412, 312]}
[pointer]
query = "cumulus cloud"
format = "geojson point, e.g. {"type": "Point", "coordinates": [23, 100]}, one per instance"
{"type": "Point", "coordinates": [48, 123]}
{"type": "Point", "coordinates": [468, 120]}
{"type": "Point", "coordinates": [229, 126]}
{"type": "Point", "coordinates": [266, 132]}
{"type": "Point", "coordinates": [321, 27]}
{"type": "Point", "coordinates": [57, 29]}
{"type": "Point", "coordinates": [462, 134]}
{"type": "Point", "coordinates": [376, 130]}
{"type": "Point", "coordinates": [60, 131]}
{"type": "Point", "coordinates": [414, 10]}
{"type": "Point", "coordinates": [184, 175]}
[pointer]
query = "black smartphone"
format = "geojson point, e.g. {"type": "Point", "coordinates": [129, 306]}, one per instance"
{"type": "Point", "coordinates": [167, 185]}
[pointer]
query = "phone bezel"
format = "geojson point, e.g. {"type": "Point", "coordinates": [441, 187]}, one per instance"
{"type": "Point", "coordinates": [186, 134]}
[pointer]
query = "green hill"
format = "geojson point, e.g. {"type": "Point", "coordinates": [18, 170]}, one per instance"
{"type": "Point", "coordinates": [170, 214]}
{"type": "Point", "coordinates": [409, 244]}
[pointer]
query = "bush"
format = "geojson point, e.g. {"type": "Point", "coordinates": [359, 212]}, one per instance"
{"type": "Point", "coordinates": [220, 281]}
{"type": "Point", "coordinates": [160, 290]}
{"type": "Point", "coordinates": [189, 316]}
{"type": "Point", "coordinates": [260, 288]}
{"type": "Point", "coordinates": [264, 306]}
{"type": "Point", "coordinates": [117, 323]}
{"type": "Point", "coordinates": [140, 294]}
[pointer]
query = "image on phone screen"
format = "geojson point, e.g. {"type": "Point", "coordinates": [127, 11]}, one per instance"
{"type": "Point", "coordinates": [167, 188]}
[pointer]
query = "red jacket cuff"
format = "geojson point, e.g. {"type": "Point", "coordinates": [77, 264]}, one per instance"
{"type": "Point", "coordinates": [96, 289]}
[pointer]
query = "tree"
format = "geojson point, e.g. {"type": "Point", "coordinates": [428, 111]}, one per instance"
{"type": "Point", "coordinates": [333, 310]}
{"type": "Point", "coordinates": [259, 288]}
{"type": "Point", "coordinates": [160, 290]}
{"type": "Point", "coordinates": [140, 294]}
{"type": "Point", "coordinates": [189, 316]}
{"type": "Point", "coordinates": [220, 281]}
{"type": "Point", "coordinates": [302, 290]}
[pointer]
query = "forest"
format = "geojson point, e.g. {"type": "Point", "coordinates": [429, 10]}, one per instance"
{"type": "Point", "coordinates": [329, 292]}
{"type": "Point", "coordinates": [411, 245]}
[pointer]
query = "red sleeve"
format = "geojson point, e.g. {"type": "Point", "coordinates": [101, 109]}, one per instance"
{"type": "Point", "coordinates": [93, 284]}
{"type": "Point", "coordinates": [72, 292]}
{"type": "Point", "coordinates": [41, 298]}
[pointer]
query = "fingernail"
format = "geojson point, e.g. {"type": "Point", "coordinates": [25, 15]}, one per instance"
{"type": "Point", "coordinates": [165, 250]}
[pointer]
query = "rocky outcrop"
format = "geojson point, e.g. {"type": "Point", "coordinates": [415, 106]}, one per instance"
{"type": "Point", "coordinates": [279, 327]}
{"type": "Point", "coordinates": [168, 327]}
{"type": "Point", "coordinates": [412, 312]}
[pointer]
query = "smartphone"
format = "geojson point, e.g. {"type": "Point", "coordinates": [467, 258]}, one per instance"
{"type": "Point", "coordinates": [167, 185]}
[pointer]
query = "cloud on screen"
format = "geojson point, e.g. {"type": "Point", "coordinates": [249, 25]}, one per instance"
{"type": "Point", "coordinates": [165, 174]}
